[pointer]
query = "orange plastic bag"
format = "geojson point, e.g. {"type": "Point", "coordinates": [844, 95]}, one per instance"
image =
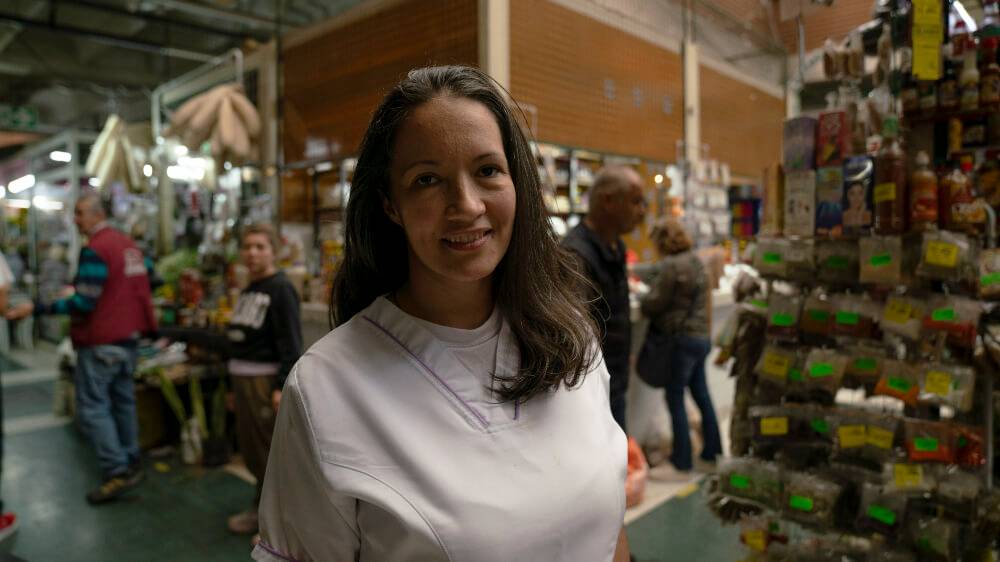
{"type": "Point", "coordinates": [638, 471]}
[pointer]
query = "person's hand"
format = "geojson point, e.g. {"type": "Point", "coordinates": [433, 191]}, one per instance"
{"type": "Point", "coordinates": [275, 400]}
{"type": "Point", "coordinates": [20, 311]}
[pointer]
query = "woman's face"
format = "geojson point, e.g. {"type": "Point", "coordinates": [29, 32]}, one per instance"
{"type": "Point", "coordinates": [451, 191]}
{"type": "Point", "coordinates": [856, 196]}
{"type": "Point", "coordinates": [257, 254]}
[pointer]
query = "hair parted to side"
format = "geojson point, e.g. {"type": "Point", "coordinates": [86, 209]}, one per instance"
{"type": "Point", "coordinates": [264, 229]}
{"type": "Point", "coordinates": [670, 236]}
{"type": "Point", "coordinates": [535, 282]}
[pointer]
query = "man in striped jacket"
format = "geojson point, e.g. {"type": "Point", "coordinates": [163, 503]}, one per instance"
{"type": "Point", "coordinates": [110, 308]}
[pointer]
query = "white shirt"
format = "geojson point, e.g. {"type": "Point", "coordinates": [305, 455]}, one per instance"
{"type": "Point", "coordinates": [6, 276]}
{"type": "Point", "coordinates": [388, 448]}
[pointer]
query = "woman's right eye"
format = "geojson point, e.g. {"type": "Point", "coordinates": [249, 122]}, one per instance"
{"type": "Point", "coordinates": [425, 180]}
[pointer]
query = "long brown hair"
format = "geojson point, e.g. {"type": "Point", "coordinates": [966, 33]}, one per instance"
{"type": "Point", "coordinates": [535, 283]}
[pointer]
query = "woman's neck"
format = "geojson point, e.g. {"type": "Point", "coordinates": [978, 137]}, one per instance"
{"type": "Point", "coordinates": [466, 306]}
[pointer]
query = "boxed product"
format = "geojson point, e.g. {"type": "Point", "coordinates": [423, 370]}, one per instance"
{"type": "Point", "coordinates": [833, 138]}
{"type": "Point", "coordinates": [829, 201]}
{"type": "Point", "coordinates": [800, 203]}
{"type": "Point", "coordinates": [859, 181]}
{"type": "Point", "coordinates": [799, 144]}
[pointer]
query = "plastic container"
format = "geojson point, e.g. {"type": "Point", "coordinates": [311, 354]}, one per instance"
{"type": "Point", "coordinates": [923, 194]}
{"type": "Point", "coordinates": [890, 194]}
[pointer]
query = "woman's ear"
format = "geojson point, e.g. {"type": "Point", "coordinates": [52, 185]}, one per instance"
{"type": "Point", "coordinates": [390, 211]}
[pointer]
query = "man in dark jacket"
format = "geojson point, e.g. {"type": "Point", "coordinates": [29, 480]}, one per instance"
{"type": "Point", "coordinates": [617, 206]}
{"type": "Point", "coordinates": [110, 308]}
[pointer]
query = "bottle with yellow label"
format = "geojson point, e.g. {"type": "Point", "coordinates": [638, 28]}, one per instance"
{"type": "Point", "coordinates": [923, 194]}
{"type": "Point", "coordinates": [890, 182]}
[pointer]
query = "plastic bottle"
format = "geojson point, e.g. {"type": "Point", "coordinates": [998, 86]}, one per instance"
{"type": "Point", "coordinates": [969, 82]}
{"type": "Point", "coordinates": [948, 90]}
{"type": "Point", "coordinates": [890, 181]}
{"type": "Point", "coordinates": [954, 195]}
{"type": "Point", "coordinates": [923, 194]}
{"type": "Point", "coordinates": [989, 82]}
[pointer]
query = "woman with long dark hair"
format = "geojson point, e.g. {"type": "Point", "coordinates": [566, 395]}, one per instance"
{"type": "Point", "coordinates": [459, 410]}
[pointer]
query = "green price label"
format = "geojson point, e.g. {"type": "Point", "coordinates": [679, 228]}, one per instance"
{"type": "Point", "coordinates": [990, 279]}
{"type": "Point", "coordinates": [819, 425]}
{"type": "Point", "coordinates": [882, 514]}
{"type": "Point", "coordinates": [759, 303]}
{"type": "Point", "coordinates": [962, 441]}
{"type": "Point", "coordinates": [819, 315]}
{"type": "Point", "coordinates": [926, 444]}
{"type": "Point", "coordinates": [801, 503]}
{"type": "Point", "coordinates": [848, 318]}
{"type": "Point", "coordinates": [772, 257]}
{"type": "Point", "coordinates": [899, 384]}
{"type": "Point", "coordinates": [782, 320]}
{"type": "Point", "coordinates": [739, 482]}
{"type": "Point", "coordinates": [943, 315]}
{"type": "Point", "coordinates": [820, 370]}
{"type": "Point", "coordinates": [795, 375]}
{"type": "Point", "coordinates": [880, 260]}
{"type": "Point", "coordinates": [865, 364]}
{"type": "Point", "coordinates": [836, 262]}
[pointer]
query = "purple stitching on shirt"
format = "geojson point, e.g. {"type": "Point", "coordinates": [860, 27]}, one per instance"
{"type": "Point", "coordinates": [478, 416]}
{"type": "Point", "coordinates": [276, 552]}
{"type": "Point", "coordinates": [517, 409]}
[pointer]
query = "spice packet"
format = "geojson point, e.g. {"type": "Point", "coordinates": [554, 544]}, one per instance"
{"type": "Point", "coordinates": [935, 537]}
{"type": "Point", "coordinates": [948, 385]}
{"type": "Point", "coordinates": [881, 510]}
{"type": "Point", "coordinates": [769, 259]}
{"type": "Point", "coordinates": [783, 316]}
{"type": "Point", "coordinates": [909, 477]}
{"type": "Point", "coordinates": [774, 364]}
{"type": "Point", "coordinates": [928, 441]}
{"type": "Point", "coordinates": [809, 499]}
{"type": "Point", "coordinates": [817, 316]}
{"type": "Point", "coordinates": [946, 256]}
{"type": "Point", "coordinates": [969, 444]}
{"type": "Point", "coordinates": [903, 316]}
{"type": "Point", "coordinates": [899, 380]}
{"type": "Point", "coordinates": [771, 424]}
{"type": "Point", "coordinates": [837, 261]}
{"type": "Point", "coordinates": [958, 316]}
{"type": "Point", "coordinates": [989, 274]}
{"type": "Point", "coordinates": [864, 366]}
{"type": "Point", "coordinates": [751, 479]}
{"type": "Point", "coordinates": [854, 316]}
{"type": "Point", "coordinates": [881, 260]}
{"type": "Point", "coordinates": [957, 489]}
{"type": "Point", "coordinates": [824, 370]}
{"type": "Point", "coordinates": [800, 258]}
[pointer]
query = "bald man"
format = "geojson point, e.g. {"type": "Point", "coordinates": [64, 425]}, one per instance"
{"type": "Point", "coordinates": [110, 308]}
{"type": "Point", "coordinates": [617, 206]}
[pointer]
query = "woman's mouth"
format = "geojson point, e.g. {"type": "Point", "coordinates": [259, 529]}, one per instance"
{"type": "Point", "coordinates": [467, 241]}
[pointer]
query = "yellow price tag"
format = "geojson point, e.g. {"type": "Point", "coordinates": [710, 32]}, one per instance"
{"type": "Point", "coordinates": [774, 426]}
{"type": "Point", "coordinates": [755, 540]}
{"type": "Point", "coordinates": [885, 192]}
{"type": "Point", "coordinates": [878, 437]}
{"type": "Point", "coordinates": [908, 475]}
{"type": "Point", "coordinates": [941, 254]}
{"type": "Point", "coordinates": [897, 311]}
{"type": "Point", "coordinates": [776, 365]}
{"type": "Point", "coordinates": [938, 382]}
{"type": "Point", "coordinates": [852, 436]}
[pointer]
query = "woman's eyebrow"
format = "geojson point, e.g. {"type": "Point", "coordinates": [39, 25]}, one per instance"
{"type": "Point", "coordinates": [420, 163]}
{"type": "Point", "coordinates": [488, 155]}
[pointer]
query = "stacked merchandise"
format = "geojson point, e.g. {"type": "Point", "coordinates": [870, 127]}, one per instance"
{"type": "Point", "coordinates": [865, 410]}
{"type": "Point", "coordinates": [707, 204]}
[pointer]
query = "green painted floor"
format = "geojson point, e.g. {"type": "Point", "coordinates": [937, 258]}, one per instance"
{"type": "Point", "coordinates": [684, 530]}
{"type": "Point", "coordinates": [180, 514]}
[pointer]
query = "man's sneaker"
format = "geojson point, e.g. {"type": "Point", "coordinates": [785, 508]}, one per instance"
{"type": "Point", "coordinates": [244, 523]}
{"type": "Point", "coordinates": [113, 487]}
{"type": "Point", "coordinates": [135, 475]}
{"type": "Point", "coordinates": [8, 525]}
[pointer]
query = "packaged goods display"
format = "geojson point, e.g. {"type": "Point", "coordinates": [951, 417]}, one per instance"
{"type": "Point", "coordinates": [800, 203]}
{"type": "Point", "coordinates": [859, 185]}
{"type": "Point", "coordinates": [829, 201]}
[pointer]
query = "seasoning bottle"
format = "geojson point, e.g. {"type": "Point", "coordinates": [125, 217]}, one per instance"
{"type": "Point", "coordinates": [923, 194]}
{"type": "Point", "coordinates": [948, 90]}
{"type": "Point", "coordinates": [890, 181]}
{"type": "Point", "coordinates": [969, 82]}
{"type": "Point", "coordinates": [954, 196]}
{"type": "Point", "coordinates": [989, 82]}
{"type": "Point", "coordinates": [909, 96]}
{"type": "Point", "coordinates": [927, 92]}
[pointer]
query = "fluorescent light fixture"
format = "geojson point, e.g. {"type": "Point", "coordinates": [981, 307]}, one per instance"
{"type": "Point", "coordinates": [658, 178]}
{"type": "Point", "coordinates": [94, 182]}
{"type": "Point", "coordinates": [970, 23]}
{"type": "Point", "coordinates": [192, 162]}
{"type": "Point", "coordinates": [21, 183]}
{"type": "Point", "coordinates": [19, 203]}
{"type": "Point", "coordinates": [324, 166]}
{"type": "Point", "coordinates": [147, 170]}
{"type": "Point", "coordinates": [180, 150]}
{"type": "Point", "coordinates": [47, 203]}
{"type": "Point", "coordinates": [60, 156]}
{"type": "Point", "coordinates": [181, 173]}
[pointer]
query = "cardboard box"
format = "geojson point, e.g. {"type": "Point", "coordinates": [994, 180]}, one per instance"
{"type": "Point", "coordinates": [858, 206]}
{"type": "Point", "coordinates": [800, 203]}
{"type": "Point", "coordinates": [832, 139]}
{"type": "Point", "coordinates": [829, 201]}
{"type": "Point", "coordinates": [799, 144]}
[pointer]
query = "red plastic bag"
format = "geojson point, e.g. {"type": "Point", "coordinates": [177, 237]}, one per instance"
{"type": "Point", "coordinates": [638, 472]}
